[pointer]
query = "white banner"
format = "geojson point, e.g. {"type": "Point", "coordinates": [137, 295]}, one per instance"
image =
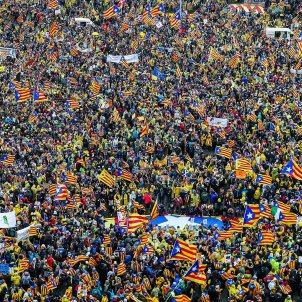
{"type": "Point", "coordinates": [217, 122]}
{"type": "Point", "coordinates": [23, 234]}
{"type": "Point", "coordinates": [7, 220]}
{"type": "Point", "coordinates": [8, 51]}
{"type": "Point", "coordinates": [129, 58]}
{"type": "Point", "coordinates": [83, 50]}
{"type": "Point", "coordinates": [296, 71]}
{"type": "Point", "coordinates": [159, 25]}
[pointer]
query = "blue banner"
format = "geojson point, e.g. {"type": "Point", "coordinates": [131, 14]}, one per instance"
{"type": "Point", "coordinates": [4, 269]}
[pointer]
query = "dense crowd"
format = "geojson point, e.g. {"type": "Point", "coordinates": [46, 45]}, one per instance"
{"type": "Point", "coordinates": [99, 139]}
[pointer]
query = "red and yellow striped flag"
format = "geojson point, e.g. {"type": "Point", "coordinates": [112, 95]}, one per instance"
{"type": "Point", "coordinates": [106, 178]}
{"type": "Point", "coordinates": [54, 29]}
{"type": "Point", "coordinates": [135, 221]}
{"type": "Point", "coordinates": [121, 269]}
{"type": "Point", "coordinates": [154, 213]}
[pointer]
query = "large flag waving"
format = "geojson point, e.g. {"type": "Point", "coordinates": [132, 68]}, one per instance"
{"type": "Point", "coordinates": [266, 238]}
{"type": "Point", "coordinates": [251, 215]}
{"type": "Point", "coordinates": [194, 274]}
{"type": "Point", "coordinates": [106, 178]}
{"type": "Point", "coordinates": [136, 221]}
{"type": "Point", "coordinates": [292, 169]}
{"type": "Point", "coordinates": [111, 12]}
{"type": "Point", "coordinates": [183, 251]}
{"type": "Point", "coordinates": [224, 152]}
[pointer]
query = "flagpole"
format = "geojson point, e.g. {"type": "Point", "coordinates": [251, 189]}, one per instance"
{"type": "Point", "coordinates": [180, 8]}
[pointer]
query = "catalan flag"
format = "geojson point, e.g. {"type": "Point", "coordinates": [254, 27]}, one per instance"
{"type": "Point", "coordinates": [292, 169]}
{"type": "Point", "coordinates": [265, 238]}
{"type": "Point", "coordinates": [86, 278]}
{"type": "Point", "coordinates": [61, 193]}
{"type": "Point", "coordinates": [251, 116]}
{"type": "Point", "coordinates": [286, 289]}
{"type": "Point", "coordinates": [205, 80]}
{"type": "Point", "coordinates": [195, 275]}
{"type": "Point", "coordinates": [92, 262]}
{"type": "Point", "coordinates": [80, 258]}
{"type": "Point", "coordinates": [33, 117]}
{"type": "Point", "coordinates": [69, 179]}
{"type": "Point", "coordinates": [175, 56]}
{"type": "Point", "coordinates": [72, 104]}
{"type": "Point", "coordinates": [54, 4]}
{"type": "Point", "coordinates": [150, 149]}
{"type": "Point", "coordinates": [144, 130]}
{"type": "Point", "coordinates": [156, 10]}
{"type": "Point", "coordinates": [265, 211]}
{"type": "Point", "coordinates": [234, 61]}
{"type": "Point", "coordinates": [111, 12]}
{"type": "Point", "coordinates": [125, 26]}
{"type": "Point", "coordinates": [183, 251]}
{"type": "Point", "coordinates": [235, 226]}
{"type": "Point", "coordinates": [7, 159]}
{"type": "Point", "coordinates": [23, 265]}
{"type": "Point", "coordinates": [54, 29]}
{"type": "Point", "coordinates": [95, 87]}
{"type": "Point", "coordinates": [115, 116]}
{"type": "Point", "coordinates": [282, 206]}
{"type": "Point", "coordinates": [74, 52]}
{"type": "Point", "coordinates": [263, 179]}
{"type": "Point", "coordinates": [178, 72]}
{"type": "Point", "coordinates": [214, 54]}
{"type": "Point", "coordinates": [154, 213]}
{"type": "Point", "coordinates": [132, 13]}
{"type": "Point", "coordinates": [292, 52]}
{"type": "Point", "coordinates": [124, 63]}
{"type": "Point", "coordinates": [198, 108]}
{"type": "Point", "coordinates": [106, 178]}
{"type": "Point", "coordinates": [71, 205]}
{"type": "Point", "coordinates": [243, 164]}
{"type": "Point", "coordinates": [223, 235]}
{"type": "Point", "coordinates": [251, 215]}
{"type": "Point", "coordinates": [175, 22]}
{"type": "Point", "coordinates": [52, 189]}
{"type": "Point", "coordinates": [264, 62]}
{"type": "Point", "coordinates": [136, 221]}
{"type": "Point", "coordinates": [287, 218]}
{"type": "Point", "coordinates": [45, 84]}
{"type": "Point", "coordinates": [106, 239]}
{"type": "Point", "coordinates": [147, 250]}
{"type": "Point", "coordinates": [224, 152]}
{"type": "Point", "coordinates": [299, 44]}
{"type": "Point", "coordinates": [174, 160]}
{"type": "Point", "coordinates": [124, 174]}
{"type": "Point", "coordinates": [51, 284]}
{"type": "Point", "coordinates": [221, 133]}
{"type": "Point", "coordinates": [39, 97]}
{"type": "Point", "coordinates": [231, 143]}
{"type": "Point", "coordinates": [81, 162]}
{"type": "Point", "coordinates": [181, 298]}
{"type": "Point", "coordinates": [22, 94]}
{"type": "Point", "coordinates": [147, 18]}
{"type": "Point", "coordinates": [33, 231]}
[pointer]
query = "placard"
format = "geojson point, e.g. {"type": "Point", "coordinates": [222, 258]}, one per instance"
{"type": "Point", "coordinates": [4, 269]}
